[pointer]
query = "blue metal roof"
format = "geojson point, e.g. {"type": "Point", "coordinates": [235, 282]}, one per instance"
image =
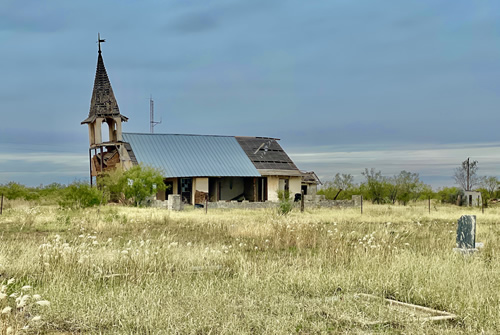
{"type": "Point", "coordinates": [192, 155]}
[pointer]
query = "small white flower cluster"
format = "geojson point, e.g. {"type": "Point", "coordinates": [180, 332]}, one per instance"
{"type": "Point", "coordinates": [17, 307]}
{"type": "Point", "coordinates": [368, 241]}
{"type": "Point", "coordinates": [54, 250]}
{"type": "Point", "coordinates": [32, 211]}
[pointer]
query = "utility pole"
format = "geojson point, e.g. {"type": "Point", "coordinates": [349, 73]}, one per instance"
{"type": "Point", "coordinates": [468, 173]}
{"type": "Point", "coordinates": [152, 122]}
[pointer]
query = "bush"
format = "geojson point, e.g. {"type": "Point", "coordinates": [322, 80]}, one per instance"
{"type": "Point", "coordinates": [81, 195]}
{"type": "Point", "coordinates": [135, 185]}
{"type": "Point", "coordinates": [13, 191]}
{"type": "Point", "coordinates": [449, 195]}
{"type": "Point", "coordinates": [141, 182]}
{"type": "Point", "coordinates": [285, 203]}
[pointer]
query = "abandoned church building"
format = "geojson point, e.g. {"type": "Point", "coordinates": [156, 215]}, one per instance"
{"type": "Point", "coordinates": [198, 167]}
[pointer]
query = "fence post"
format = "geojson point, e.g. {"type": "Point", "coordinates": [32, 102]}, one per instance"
{"type": "Point", "coordinates": [206, 204]}
{"type": "Point", "coordinates": [429, 205]}
{"type": "Point", "coordinates": [361, 204]}
{"type": "Point", "coordinates": [1, 205]}
{"type": "Point", "coordinates": [302, 201]}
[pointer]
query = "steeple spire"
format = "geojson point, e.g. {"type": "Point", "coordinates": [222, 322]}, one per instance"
{"type": "Point", "coordinates": [103, 102]}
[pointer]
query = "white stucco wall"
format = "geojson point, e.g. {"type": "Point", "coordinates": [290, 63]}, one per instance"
{"type": "Point", "coordinates": [295, 185]}
{"type": "Point", "coordinates": [273, 183]}
{"type": "Point", "coordinates": [272, 188]}
{"type": "Point", "coordinates": [201, 184]}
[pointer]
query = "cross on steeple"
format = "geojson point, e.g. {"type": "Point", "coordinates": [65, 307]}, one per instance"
{"type": "Point", "coordinates": [100, 41]}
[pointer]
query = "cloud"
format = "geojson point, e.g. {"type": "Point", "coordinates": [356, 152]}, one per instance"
{"type": "Point", "coordinates": [32, 16]}
{"type": "Point", "coordinates": [435, 164]}
{"type": "Point", "coordinates": [193, 23]}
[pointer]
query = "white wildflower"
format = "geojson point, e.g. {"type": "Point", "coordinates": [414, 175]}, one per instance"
{"type": "Point", "coordinates": [6, 310]}
{"type": "Point", "coordinates": [10, 281]}
{"type": "Point", "coordinates": [36, 318]}
{"type": "Point", "coordinates": [43, 303]}
{"type": "Point", "coordinates": [37, 296]}
{"type": "Point", "coordinates": [10, 330]}
{"type": "Point", "coordinates": [3, 296]}
{"type": "Point", "coordinates": [26, 287]}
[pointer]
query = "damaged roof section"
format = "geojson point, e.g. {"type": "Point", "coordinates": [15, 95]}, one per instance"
{"type": "Point", "coordinates": [266, 153]}
{"type": "Point", "coordinates": [309, 177]}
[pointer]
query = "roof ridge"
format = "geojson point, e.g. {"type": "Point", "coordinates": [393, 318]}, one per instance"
{"type": "Point", "coordinates": [172, 134]}
{"type": "Point", "coordinates": [175, 134]}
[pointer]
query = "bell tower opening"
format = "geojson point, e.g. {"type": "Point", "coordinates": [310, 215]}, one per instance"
{"type": "Point", "coordinates": [106, 131]}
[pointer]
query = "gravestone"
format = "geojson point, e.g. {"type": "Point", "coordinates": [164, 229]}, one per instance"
{"type": "Point", "coordinates": [174, 202]}
{"type": "Point", "coordinates": [357, 200]}
{"type": "Point", "coordinates": [466, 232]}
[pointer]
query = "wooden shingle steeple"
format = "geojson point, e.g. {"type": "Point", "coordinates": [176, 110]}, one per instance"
{"type": "Point", "coordinates": [110, 152]}
{"type": "Point", "coordinates": [103, 107]}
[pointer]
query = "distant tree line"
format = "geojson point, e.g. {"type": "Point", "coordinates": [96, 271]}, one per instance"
{"type": "Point", "coordinates": [401, 188]}
{"type": "Point", "coordinates": [377, 188]}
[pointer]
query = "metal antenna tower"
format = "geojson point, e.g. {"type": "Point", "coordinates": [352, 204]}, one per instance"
{"type": "Point", "coordinates": [152, 122]}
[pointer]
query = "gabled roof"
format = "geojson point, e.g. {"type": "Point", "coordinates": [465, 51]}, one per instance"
{"type": "Point", "coordinates": [103, 103]}
{"type": "Point", "coordinates": [191, 155]}
{"type": "Point", "coordinates": [309, 177]}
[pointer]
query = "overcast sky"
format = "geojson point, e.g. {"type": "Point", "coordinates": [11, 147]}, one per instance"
{"type": "Point", "coordinates": [346, 85]}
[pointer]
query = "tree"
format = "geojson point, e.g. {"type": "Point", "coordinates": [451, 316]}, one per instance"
{"type": "Point", "coordinates": [408, 183]}
{"type": "Point", "coordinates": [375, 185]}
{"type": "Point", "coordinates": [343, 181]}
{"type": "Point", "coordinates": [466, 175]}
{"type": "Point", "coordinates": [142, 182]}
{"type": "Point", "coordinates": [392, 188]}
{"type": "Point", "coordinates": [423, 191]}
{"type": "Point", "coordinates": [490, 184]}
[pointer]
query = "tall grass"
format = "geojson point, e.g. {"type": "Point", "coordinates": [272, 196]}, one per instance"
{"type": "Point", "coordinates": [130, 270]}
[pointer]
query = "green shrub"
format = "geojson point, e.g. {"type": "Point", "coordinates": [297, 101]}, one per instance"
{"type": "Point", "coordinates": [141, 182]}
{"type": "Point", "coordinates": [285, 203]}
{"type": "Point", "coordinates": [449, 195]}
{"type": "Point", "coordinates": [13, 191]}
{"type": "Point", "coordinates": [81, 195]}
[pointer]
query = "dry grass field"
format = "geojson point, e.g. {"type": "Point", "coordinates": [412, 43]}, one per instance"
{"type": "Point", "coordinates": [124, 270]}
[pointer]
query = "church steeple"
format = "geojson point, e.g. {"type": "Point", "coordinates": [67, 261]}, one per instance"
{"type": "Point", "coordinates": [111, 152]}
{"type": "Point", "coordinates": [103, 106]}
